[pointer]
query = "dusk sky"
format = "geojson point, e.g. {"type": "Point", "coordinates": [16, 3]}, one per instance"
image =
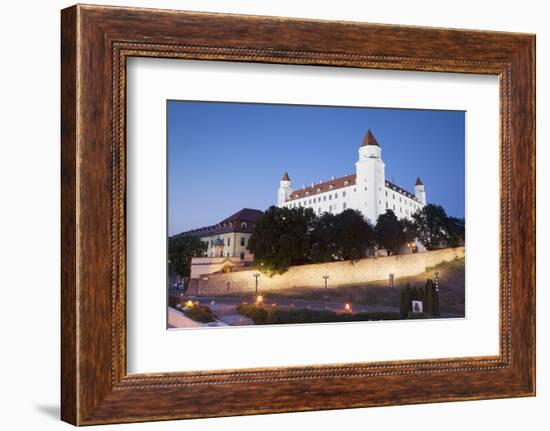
{"type": "Point", "coordinates": [223, 157]}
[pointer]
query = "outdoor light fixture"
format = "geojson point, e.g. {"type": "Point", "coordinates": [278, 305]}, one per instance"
{"type": "Point", "coordinates": [259, 299]}
{"type": "Point", "coordinates": [326, 277]}
{"type": "Point", "coordinates": [347, 307]}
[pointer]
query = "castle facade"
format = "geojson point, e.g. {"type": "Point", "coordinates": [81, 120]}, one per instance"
{"type": "Point", "coordinates": [367, 190]}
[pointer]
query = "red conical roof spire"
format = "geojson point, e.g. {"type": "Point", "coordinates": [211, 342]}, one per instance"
{"type": "Point", "coordinates": [369, 139]}
{"type": "Point", "coordinates": [285, 177]}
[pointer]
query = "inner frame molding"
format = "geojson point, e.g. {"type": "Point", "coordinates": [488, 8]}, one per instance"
{"type": "Point", "coordinates": [96, 42]}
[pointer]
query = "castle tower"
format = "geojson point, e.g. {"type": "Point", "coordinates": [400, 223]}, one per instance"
{"type": "Point", "coordinates": [285, 189]}
{"type": "Point", "coordinates": [371, 179]}
{"type": "Point", "coordinates": [419, 192]}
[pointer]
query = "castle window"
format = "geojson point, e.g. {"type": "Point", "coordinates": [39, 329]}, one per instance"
{"type": "Point", "coordinates": [324, 198]}
{"type": "Point", "coordinates": [227, 254]}
{"type": "Point", "coordinates": [344, 194]}
{"type": "Point", "coordinates": [228, 241]}
{"type": "Point", "coordinates": [394, 207]}
{"type": "Point", "coordinates": [344, 205]}
{"type": "Point", "coordinates": [386, 205]}
{"type": "Point", "coordinates": [365, 188]}
{"type": "Point", "coordinates": [242, 241]}
{"type": "Point", "coordinates": [329, 197]}
{"type": "Point", "coordinates": [243, 225]}
{"type": "Point", "coordinates": [393, 196]}
{"type": "Point", "coordinates": [330, 207]}
{"type": "Point", "coordinates": [335, 195]}
{"type": "Point", "coordinates": [242, 255]}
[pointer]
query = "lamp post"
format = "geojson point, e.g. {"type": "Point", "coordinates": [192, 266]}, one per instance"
{"type": "Point", "coordinates": [436, 294]}
{"type": "Point", "coordinates": [391, 278]}
{"type": "Point", "coordinates": [256, 276]}
{"type": "Point", "coordinates": [326, 277]}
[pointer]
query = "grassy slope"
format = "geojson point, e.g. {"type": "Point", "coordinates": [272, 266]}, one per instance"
{"type": "Point", "coordinates": [452, 291]}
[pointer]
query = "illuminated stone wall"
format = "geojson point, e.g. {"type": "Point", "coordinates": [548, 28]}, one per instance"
{"type": "Point", "coordinates": [340, 273]}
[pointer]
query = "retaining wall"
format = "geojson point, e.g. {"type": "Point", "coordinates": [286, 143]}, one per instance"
{"type": "Point", "coordinates": [340, 273]}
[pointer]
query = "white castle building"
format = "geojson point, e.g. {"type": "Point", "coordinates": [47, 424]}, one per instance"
{"type": "Point", "coordinates": [367, 190]}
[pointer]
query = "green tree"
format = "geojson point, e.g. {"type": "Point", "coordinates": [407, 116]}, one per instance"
{"type": "Point", "coordinates": [390, 232]}
{"type": "Point", "coordinates": [409, 230]}
{"type": "Point", "coordinates": [281, 238]}
{"type": "Point", "coordinates": [181, 249]}
{"type": "Point", "coordinates": [431, 225]}
{"type": "Point", "coordinates": [324, 239]}
{"type": "Point", "coordinates": [353, 235]}
{"type": "Point", "coordinates": [455, 231]}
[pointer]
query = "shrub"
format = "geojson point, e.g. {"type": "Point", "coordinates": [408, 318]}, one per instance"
{"type": "Point", "coordinates": [257, 314]}
{"type": "Point", "coordinates": [283, 315]}
{"type": "Point", "coordinates": [201, 314]}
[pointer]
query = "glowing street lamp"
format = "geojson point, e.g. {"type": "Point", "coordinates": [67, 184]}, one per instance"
{"type": "Point", "coordinates": [347, 308]}
{"type": "Point", "coordinates": [326, 277]}
{"type": "Point", "coordinates": [259, 300]}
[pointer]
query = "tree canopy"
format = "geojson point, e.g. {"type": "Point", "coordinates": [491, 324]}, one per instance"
{"type": "Point", "coordinates": [391, 233]}
{"type": "Point", "coordinates": [181, 249]}
{"type": "Point", "coordinates": [455, 230]}
{"type": "Point", "coordinates": [433, 225]}
{"type": "Point", "coordinates": [292, 236]}
{"type": "Point", "coordinates": [281, 238]}
{"type": "Point", "coordinates": [354, 235]}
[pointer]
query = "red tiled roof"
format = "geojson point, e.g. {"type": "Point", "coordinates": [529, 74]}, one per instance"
{"type": "Point", "coordinates": [369, 139]}
{"type": "Point", "coordinates": [337, 183]}
{"type": "Point", "coordinates": [242, 221]}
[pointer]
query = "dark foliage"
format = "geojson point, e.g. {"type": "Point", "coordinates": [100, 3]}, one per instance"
{"type": "Point", "coordinates": [391, 233]}
{"type": "Point", "coordinates": [455, 230]}
{"type": "Point", "coordinates": [431, 224]}
{"type": "Point", "coordinates": [180, 251]}
{"type": "Point", "coordinates": [281, 239]}
{"type": "Point", "coordinates": [286, 315]}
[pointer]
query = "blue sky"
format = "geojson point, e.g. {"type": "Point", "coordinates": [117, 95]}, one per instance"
{"type": "Point", "coordinates": [223, 157]}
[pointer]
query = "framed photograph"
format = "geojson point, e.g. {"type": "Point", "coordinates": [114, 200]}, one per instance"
{"type": "Point", "coordinates": [329, 214]}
